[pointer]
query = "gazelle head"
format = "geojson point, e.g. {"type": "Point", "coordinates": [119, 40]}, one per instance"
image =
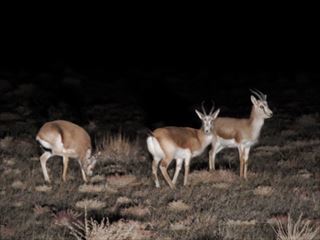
{"type": "Point", "coordinates": [207, 119]}
{"type": "Point", "coordinates": [90, 163]}
{"type": "Point", "coordinates": [260, 104]}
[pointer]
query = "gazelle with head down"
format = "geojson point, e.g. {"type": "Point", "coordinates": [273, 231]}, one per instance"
{"type": "Point", "coordinates": [68, 140]}
{"type": "Point", "coordinates": [240, 133]}
{"type": "Point", "coordinates": [180, 143]}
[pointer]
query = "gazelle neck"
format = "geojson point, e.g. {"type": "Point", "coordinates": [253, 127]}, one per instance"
{"type": "Point", "coordinates": [256, 122]}
{"type": "Point", "coordinates": [204, 139]}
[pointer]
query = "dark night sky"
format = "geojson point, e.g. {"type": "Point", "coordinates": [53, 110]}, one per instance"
{"type": "Point", "coordinates": [157, 66]}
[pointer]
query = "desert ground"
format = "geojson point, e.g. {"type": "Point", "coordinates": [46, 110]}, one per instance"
{"type": "Point", "coordinates": [121, 200]}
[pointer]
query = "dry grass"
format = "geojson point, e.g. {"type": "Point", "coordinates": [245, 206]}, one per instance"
{"type": "Point", "coordinates": [301, 229]}
{"type": "Point", "coordinates": [43, 188]}
{"type": "Point", "coordinates": [90, 188]}
{"type": "Point", "coordinates": [218, 176]}
{"type": "Point", "coordinates": [241, 223]}
{"type": "Point", "coordinates": [128, 230]}
{"type": "Point", "coordinates": [90, 204]}
{"type": "Point", "coordinates": [66, 217]}
{"type": "Point", "coordinates": [178, 206]}
{"type": "Point", "coordinates": [97, 179]}
{"type": "Point", "coordinates": [17, 184]}
{"type": "Point", "coordinates": [118, 148]}
{"type": "Point", "coordinates": [121, 155]}
{"type": "Point", "coordinates": [121, 181]}
{"type": "Point", "coordinates": [136, 212]}
{"type": "Point", "coordinates": [263, 190]}
{"type": "Point", "coordinates": [103, 230]}
{"type": "Point", "coordinates": [41, 210]}
{"type": "Point", "coordinates": [123, 202]}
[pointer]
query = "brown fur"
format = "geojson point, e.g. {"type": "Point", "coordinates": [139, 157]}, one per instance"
{"type": "Point", "coordinates": [72, 136]}
{"type": "Point", "coordinates": [183, 137]}
{"type": "Point", "coordinates": [233, 128]}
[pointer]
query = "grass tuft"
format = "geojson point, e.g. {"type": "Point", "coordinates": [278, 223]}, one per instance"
{"type": "Point", "coordinates": [299, 230]}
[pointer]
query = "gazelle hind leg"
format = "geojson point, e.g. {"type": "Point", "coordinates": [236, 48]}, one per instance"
{"type": "Point", "coordinates": [43, 161]}
{"type": "Point", "coordinates": [179, 162]}
{"type": "Point", "coordinates": [163, 167]}
{"type": "Point", "coordinates": [65, 168]}
{"type": "Point", "coordinates": [155, 164]}
{"type": "Point", "coordinates": [84, 176]}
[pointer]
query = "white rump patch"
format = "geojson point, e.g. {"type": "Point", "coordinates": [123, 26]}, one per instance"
{"type": "Point", "coordinates": [44, 143]}
{"type": "Point", "coordinates": [154, 147]}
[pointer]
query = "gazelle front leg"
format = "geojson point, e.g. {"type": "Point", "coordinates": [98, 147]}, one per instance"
{"type": "Point", "coordinates": [65, 168]}
{"type": "Point", "coordinates": [186, 168]}
{"type": "Point", "coordinates": [212, 155]}
{"type": "Point", "coordinates": [43, 160]}
{"type": "Point", "coordinates": [179, 162]}
{"type": "Point", "coordinates": [241, 158]}
{"type": "Point", "coordinates": [245, 158]}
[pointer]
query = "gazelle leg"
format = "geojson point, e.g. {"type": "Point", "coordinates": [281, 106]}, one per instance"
{"type": "Point", "coordinates": [212, 156]}
{"type": "Point", "coordinates": [65, 168]}
{"type": "Point", "coordinates": [163, 167]}
{"type": "Point", "coordinates": [84, 175]}
{"type": "Point", "coordinates": [241, 158]}
{"type": "Point", "coordinates": [43, 161]}
{"type": "Point", "coordinates": [186, 169]}
{"type": "Point", "coordinates": [179, 162]}
{"type": "Point", "coordinates": [155, 163]}
{"type": "Point", "coordinates": [246, 157]}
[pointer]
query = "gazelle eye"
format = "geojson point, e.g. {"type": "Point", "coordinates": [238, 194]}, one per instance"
{"type": "Point", "coordinates": [262, 107]}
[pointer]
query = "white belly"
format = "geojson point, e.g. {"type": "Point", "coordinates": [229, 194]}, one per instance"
{"type": "Point", "coordinates": [182, 153]}
{"type": "Point", "coordinates": [227, 143]}
{"type": "Point", "coordinates": [231, 143]}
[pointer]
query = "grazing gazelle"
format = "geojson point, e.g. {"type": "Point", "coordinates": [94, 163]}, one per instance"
{"type": "Point", "coordinates": [68, 140]}
{"type": "Point", "coordinates": [180, 143]}
{"type": "Point", "coordinates": [240, 133]}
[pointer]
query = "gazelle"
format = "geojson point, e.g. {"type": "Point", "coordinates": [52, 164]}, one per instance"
{"type": "Point", "coordinates": [240, 133]}
{"type": "Point", "coordinates": [66, 139]}
{"type": "Point", "coordinates": [180, 143]}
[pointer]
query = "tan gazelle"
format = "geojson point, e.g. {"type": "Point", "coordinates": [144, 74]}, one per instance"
{"type": "Point", "coordinates": [241, 133]}
{"type": "Point", "coordinates": [180, 143]}
{"type": "Point", "coordinates": [68, 140]}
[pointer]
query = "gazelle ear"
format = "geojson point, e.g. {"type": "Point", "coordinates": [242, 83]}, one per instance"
{"type": "Point", "coordinates": [254, 100]}
{"type": "Point", "coordinates": [215, 114]}
{"type": "Point", "coordinates": [200, 115]}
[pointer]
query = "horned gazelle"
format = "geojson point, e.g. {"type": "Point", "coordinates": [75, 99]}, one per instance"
{"type": "Point", "coordinates": [66, 139]}
{"type": "Point", "coordinates": [240, 133]}
{"type": "Point", "coordinates": [180, 143]}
